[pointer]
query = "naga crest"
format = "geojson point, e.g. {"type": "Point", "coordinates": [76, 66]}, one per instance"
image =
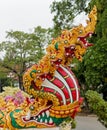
{"type": "Point", "coordinates": [51, 82]}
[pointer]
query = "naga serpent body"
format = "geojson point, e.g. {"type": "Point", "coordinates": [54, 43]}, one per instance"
{"type": "Point", "coordinates": [51, 82]}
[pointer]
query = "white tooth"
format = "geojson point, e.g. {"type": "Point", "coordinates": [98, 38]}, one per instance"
{"type": "Point", "coordinates": [43, 114]}
{"type": "Point", "coordinates": [50, 121]}
{"type": "Point", "coordinates": [41, 120]}
{"type": "Point", "coordinates": [34, 118]}
{"type": "Point", "coordinates": [37, 77]}
{"type": "Point", "coordinates": [72, 47]}
{"type": "Point", "coordinates": [57, 65]}
{"type": "Point", "coordinates": [78, 39]}
{"type": "Point", "coordinates": [43, 79]}
{"type": "Point", "coordinates": [46, 121]}
{"type": "Point", "coordinates": [28, 115]}
{"type": "Point", "coordinates": [86, 44]}
{"type": "Point", "coordinates": [67, 54]}
{"type": "Point", "coordinates": [47, 113]}
{"type": "Point", "coordinates": [90, 35]}
{"type": "Point", "coordinates": [39, 116]}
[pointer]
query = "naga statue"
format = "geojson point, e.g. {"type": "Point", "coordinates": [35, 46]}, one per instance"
{"type": "Point", "coordinates": [54, 88]}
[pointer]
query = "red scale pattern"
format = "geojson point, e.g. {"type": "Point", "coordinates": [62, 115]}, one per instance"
{"type": "Point", "coordinates": [57, 82]}
{"type": "Point", "coordinates": [55, 93]}
{"type": "Point", "coordinates": [69, 81]}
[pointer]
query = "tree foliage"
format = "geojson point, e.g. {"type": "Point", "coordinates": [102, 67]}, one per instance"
{"type": "Point", "coordinates": [95, 59]}
{"type": "Point", "coordinates": [93, 68]}
{"type": "Point", "coordinates": [95, 63]}
{"type": "Point", "coordinates": [23, 49]}
{"type": "Point", "coordinates": [64, 12]}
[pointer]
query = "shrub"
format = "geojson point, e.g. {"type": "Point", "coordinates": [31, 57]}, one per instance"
{"type": "Point", "coordinates": [98, 105]}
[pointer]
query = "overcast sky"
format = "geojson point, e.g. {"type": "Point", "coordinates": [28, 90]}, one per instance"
{"type": "Point", "coordinates": [24, 15]}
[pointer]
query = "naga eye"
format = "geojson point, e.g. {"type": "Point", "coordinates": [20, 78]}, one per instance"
{"type": "Point", "coordinates": [80, 31]}
{"type": "Point", "coordinates": [39, 71]}
{"type": "Point", "coordinates": [65, 41]}
{"type": "Point", "coordinates": [52, 57]}
{"type": "Point", "coordinates": [32, 108]}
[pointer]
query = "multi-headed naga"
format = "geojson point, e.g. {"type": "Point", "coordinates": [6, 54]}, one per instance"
{"type": "Point", "coordinates": [51, 82]}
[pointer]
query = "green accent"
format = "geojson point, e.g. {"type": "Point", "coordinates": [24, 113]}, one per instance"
{"type": "Point", "coordinates": [30, 87]}
{"type": "Point", "coordinates": [14, 122]}
{"type": "Point", "coordinates": [43, 118]}
{"type": "Point", "coordinates": [56, 45]}
{"type": "Point", "coordinates": [1, 122]}
{"type": "Point", "coordinates": [33, 71]}
{"type": "Point", "coordinates": [58, 121]}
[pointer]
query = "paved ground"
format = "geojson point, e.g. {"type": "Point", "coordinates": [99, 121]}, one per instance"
{"type": "Point", "coordinates": [88, 123]}
{"type": "Point", "coordinates": [83, 123]}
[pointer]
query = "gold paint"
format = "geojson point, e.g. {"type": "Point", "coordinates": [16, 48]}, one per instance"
{"type": "Point", "coordinates": [66, 76]}
{"type": "Point", "coordinates": [68, 99]}
{"type": "Point", "coordinates": [62, 87]}
{"type": "Point", "coordinates": [58, 116]}
{"type": "Point", "coordinates": [61, 112]}
{"type": "Point", "coordinates": [67, 112]}
{"type": "Point", "coordinates": [56, 112]}
{"type": "Point", "coordinates": [64, 107]}
{"type": "Point", "coordinates": [63, 116]}
{"type": "Point", "coordinates": [73, 89]}
{"type": "Point", "coordinates": [52, 79]}
{"type": "Point", "coordinates": [55, 92]}
{"type": "Point", "coordinates": [72, 110]}
{"type": "Point", "coordinates": [51, 114]}
{"type": "Point", "coordinates": [52, 111]}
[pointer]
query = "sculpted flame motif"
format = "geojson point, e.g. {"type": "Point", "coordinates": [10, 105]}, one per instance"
{"type": "Point", "coordinates": [51, 82]}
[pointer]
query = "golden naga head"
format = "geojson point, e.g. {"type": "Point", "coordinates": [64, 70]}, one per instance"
{"type": "Point", "coordinates": [73, 43]}
{"type": "Point", "coordinates": [70, 44]}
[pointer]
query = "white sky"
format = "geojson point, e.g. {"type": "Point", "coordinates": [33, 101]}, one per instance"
{"type": "Point", "coordinates": [24, 15]}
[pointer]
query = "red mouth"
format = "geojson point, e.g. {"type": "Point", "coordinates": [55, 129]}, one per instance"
{"type": "Point", "coordinates": [57, 62]}
{"type": "Point", "coordinates": [69, 51]}
{"type": "Point", "coordinates": [84, 40]}
{"type": "Point", "coordinates": [42, 117]}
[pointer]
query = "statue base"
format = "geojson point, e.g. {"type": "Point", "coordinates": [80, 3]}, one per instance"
{"type": "Point", "coordinates": [54, 128]}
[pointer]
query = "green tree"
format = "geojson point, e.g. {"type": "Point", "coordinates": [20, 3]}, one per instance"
{"type": "Point", "coordinates": [4, 80]}
{"type": "Point", "coordinates": [94, 65]}
{"type": "Point", "coordinates": [64, 12]}
{"type": "Point", "coordinates": [23, 49]}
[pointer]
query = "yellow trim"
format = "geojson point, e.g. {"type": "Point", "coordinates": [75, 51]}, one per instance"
{"type": "Point", "coordinates": [66, 76]}
{"type": "Point", "coordinates": [68, 100]}
{"type": "Point", "coordinates": [73, 89]}
{"type": "Point", "coordinates": [54, 92]}
{"type": "Point", "coordinates": [63, 87]}
{"type": "Point", "coordinates": [52, 79]}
